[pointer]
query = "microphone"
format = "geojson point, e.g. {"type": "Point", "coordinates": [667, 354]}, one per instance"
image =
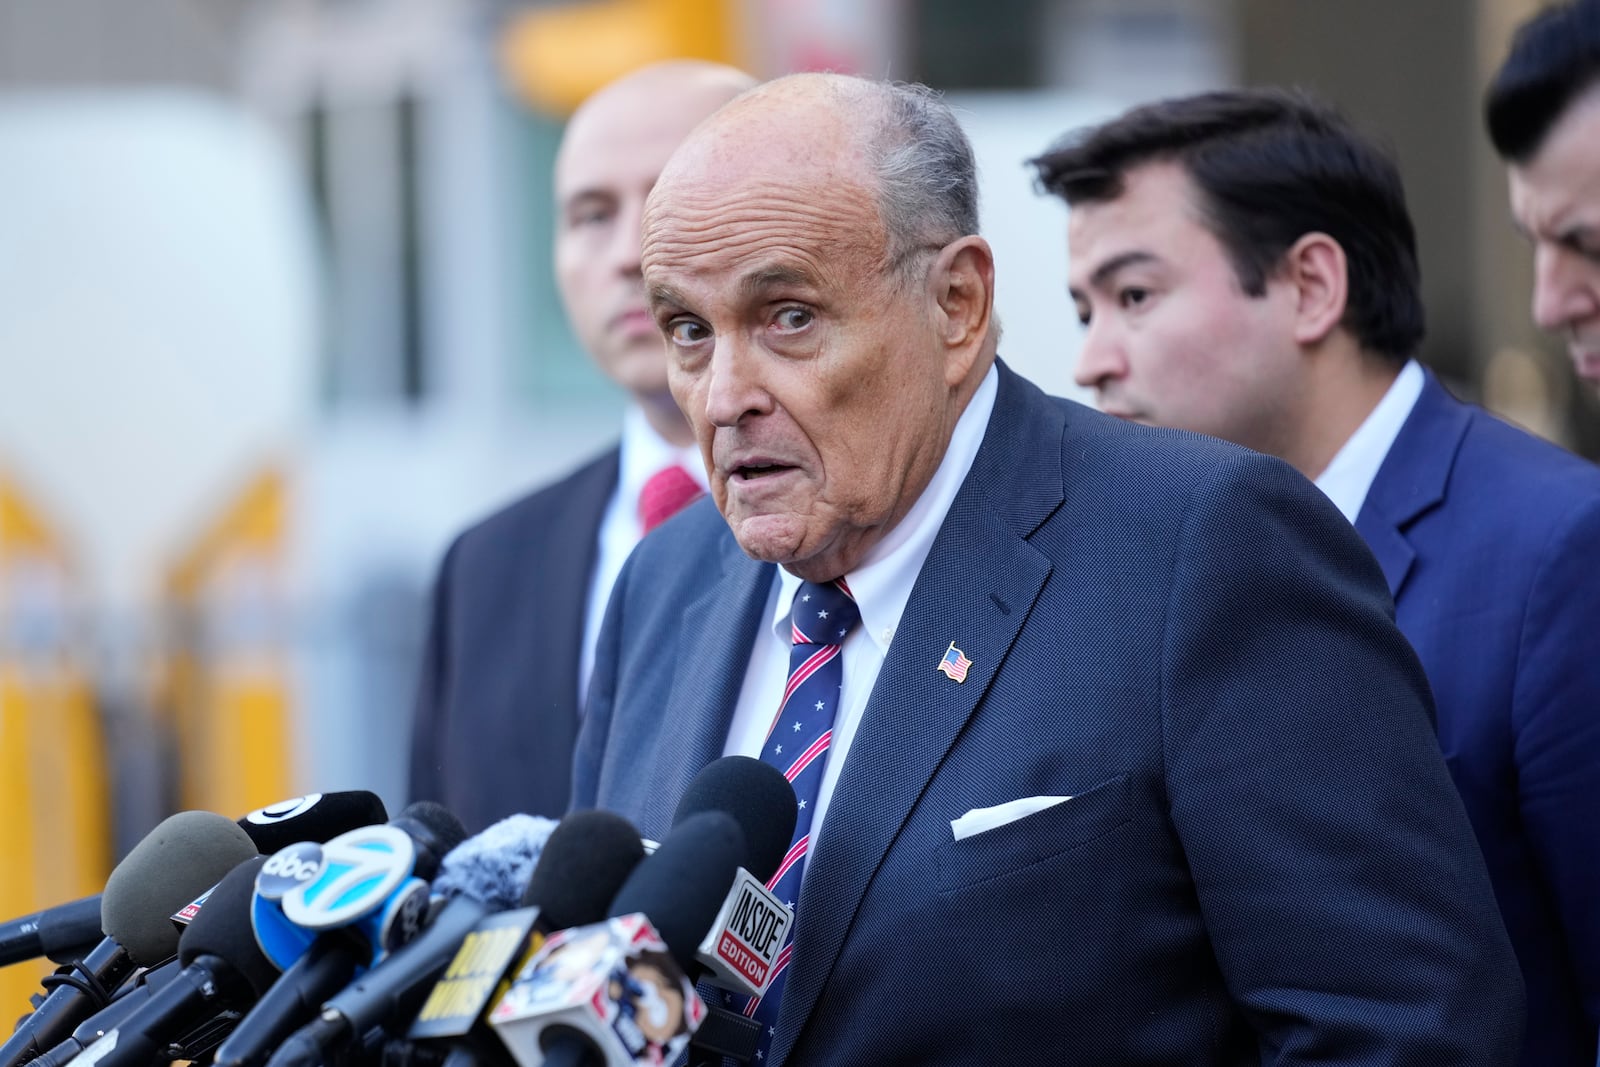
{"type": "Point", "coordinates": [743, 942]}
{"type": "Point", "coordinates": [615, 993]}
{"type": "Point", "coordinates": [60, 933]}
{"type": "Point", "coordinates": [592, 854]}
{"type": "Point", "coordinates": [740, 951]}
{"type": "Point", "coordinates": [588, 857]}
{"type": "Point", "coordinates": [481, 875]}
{"type": "Point", "coordinates": [754, 793]}
{"type": "Point", "coordinates": [323, 917]}
{"type": "Point", "coordinates": [316, 817]}
{"type": "Point", "coordinates": [172, 865]}
{"type": "Point", "coordinates": [128, 1000]}
{"type": "Point", "coordinates": [67, 931]}
{"type": "Point", "coordinates": [223, 969]}
{"type": "Point", "coordinates": [573, 869]}
{"type": "Point", "coordinates": [313, 817]}
{"type": "Point", "coordinates": [495, 865]}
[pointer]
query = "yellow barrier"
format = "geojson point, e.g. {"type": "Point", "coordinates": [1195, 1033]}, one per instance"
{"type": "Point", "coordinates": [226, 684]}
{"type": "Point", "coordinates": [54, 825]}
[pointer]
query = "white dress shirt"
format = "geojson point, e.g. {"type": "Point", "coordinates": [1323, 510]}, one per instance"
{"type": "Point", "coordinates": [881, 586]}
{"type": "Point", "coordinates": [644, 452]}
{"type": "Point", "coordinates": [1351, 471]}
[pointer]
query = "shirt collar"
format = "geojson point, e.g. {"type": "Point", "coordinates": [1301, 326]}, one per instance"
{"type": "Point", "coordinates": [882, 583]}
{"type": "Point", "coordinates": [644, 452]}
{"type": "Point", "coordinates": [1350, 473]}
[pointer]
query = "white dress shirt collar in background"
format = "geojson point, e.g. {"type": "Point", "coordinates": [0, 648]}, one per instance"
{"type": "Point", "coordinates": [1351, 471]}
{"type": "Point", "coordinates": [881, 586]}
{"type": "Point", "coordinates": [644, 452]}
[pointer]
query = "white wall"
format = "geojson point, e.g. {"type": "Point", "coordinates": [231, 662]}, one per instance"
{"type": "Point", "coordinates": [1028, 231]}
{"type": "Point", "coordinates": [157, 316]}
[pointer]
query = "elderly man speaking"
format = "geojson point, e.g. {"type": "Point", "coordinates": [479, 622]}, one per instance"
{"type": "Point", "coordinates": [1106, 746]}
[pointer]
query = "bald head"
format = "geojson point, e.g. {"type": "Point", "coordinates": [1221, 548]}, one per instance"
{"type": "Point", "coordinates": [671, 97]}
{"type": "Point", "coordinates": [899, 141]}
{"type": "Point", "coordinates": [611, 154]}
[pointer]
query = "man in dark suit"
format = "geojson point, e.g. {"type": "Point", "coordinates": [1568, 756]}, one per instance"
{"type": "Point", "coordinates": [519, 596]}
{"type": "Point", "coordinates": [1244, 266]}
{"type": "Point", "coordinates": [1107, 749]}
{"type": "Point", "coordinates": [1543, 111]}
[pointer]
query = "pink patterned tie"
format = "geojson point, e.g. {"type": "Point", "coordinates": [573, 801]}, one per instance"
{"type": "Point", "coordinates": [669, 491]}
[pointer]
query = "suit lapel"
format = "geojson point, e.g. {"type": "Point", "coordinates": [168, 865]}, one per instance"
{"type": "Point", "coordinates": [1412, 479]}
{"type": "Point", "coordinates": [977, 586]}
{"type": "Point", "coordinates": [707, 677]}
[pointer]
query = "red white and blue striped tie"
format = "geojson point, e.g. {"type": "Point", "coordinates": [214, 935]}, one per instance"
{"type": "Point", "coordinates": [797, 744]}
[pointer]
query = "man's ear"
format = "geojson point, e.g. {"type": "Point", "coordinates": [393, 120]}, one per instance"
{"type": "Point", "coordinates": [962, 281]}
{"type": "Point", "coordinates": [1316, 266]}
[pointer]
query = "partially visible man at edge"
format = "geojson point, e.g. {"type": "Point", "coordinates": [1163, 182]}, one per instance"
{"type": "Point", "coordinates": [1543, 113]}
{"type": "Point", "coordinates": [519, 596]}
{"type": "Point", "coordinates": [1125, 761]}
{"type": "Point", "coordinates": [1244, 266]}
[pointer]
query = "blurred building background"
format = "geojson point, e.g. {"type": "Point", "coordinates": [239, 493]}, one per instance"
{"type": "Point", "coordinates": [277, 317]}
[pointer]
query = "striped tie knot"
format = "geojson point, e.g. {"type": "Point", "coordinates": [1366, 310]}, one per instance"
{"type": "Point", "coordinates": [823, 614]}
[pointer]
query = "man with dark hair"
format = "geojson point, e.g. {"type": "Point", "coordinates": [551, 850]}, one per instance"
{"type": "Point", "coordinates": [1543, 112]}
{"type": "Point", "coordinates": [517, 606]}
{"type": "Point", "coordinates": [1244, 266]}
{"type": "Point", "coordinates": [1106, 749]}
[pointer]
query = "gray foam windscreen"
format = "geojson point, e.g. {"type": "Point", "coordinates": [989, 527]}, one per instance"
{"type": "Point", "coordinates": [177, 861]}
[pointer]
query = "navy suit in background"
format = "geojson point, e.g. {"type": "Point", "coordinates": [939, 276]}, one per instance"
{"type": "Point", "coordinates": [1263, 858]}
{"type": "Point", "coordinates": [1490, 541]}
{"type": "Point", "coordinates": [497, 709]}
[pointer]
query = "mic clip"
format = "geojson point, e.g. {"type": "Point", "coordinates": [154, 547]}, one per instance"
{"type": "Point", "coordinates": [724, 1033]}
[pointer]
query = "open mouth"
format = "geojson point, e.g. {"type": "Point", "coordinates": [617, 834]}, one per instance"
{"type": "Point", "coordinates": [751, 472]}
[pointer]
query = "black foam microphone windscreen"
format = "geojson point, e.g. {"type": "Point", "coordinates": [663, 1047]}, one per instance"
{"type": "Point", "coordinates": [680, 888]}
{"type": "Point", "coordinates": [435, 830]}
{"type": "Point", "coordinates": [223, 928]}
{"type": "Point", "coordinates": [313, 817]}
{"type": "Point", "coordinates": [589, 856]}
{"type": "Point", "coordinates": [758, 796]}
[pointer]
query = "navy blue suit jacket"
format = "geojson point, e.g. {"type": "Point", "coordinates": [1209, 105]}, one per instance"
{"type": "Point", "coordinates": [1490, 541]}
{"type": "Point", "coordinates": [1263, 857]}
{"type": "Point", "coordinates": [497, 708]}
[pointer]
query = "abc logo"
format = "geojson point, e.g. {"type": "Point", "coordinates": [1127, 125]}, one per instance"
{"type": "Point", "coordinates": [288, 868]}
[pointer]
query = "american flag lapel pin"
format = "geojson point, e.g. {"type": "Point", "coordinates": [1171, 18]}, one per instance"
{"type": "Point", "coordinates": [955, 664]}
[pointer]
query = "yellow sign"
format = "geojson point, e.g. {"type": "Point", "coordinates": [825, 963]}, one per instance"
{"type": "Point", "coordinates": [556, 56]}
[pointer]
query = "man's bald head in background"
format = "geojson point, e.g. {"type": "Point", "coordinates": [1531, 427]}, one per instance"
{"type": "Point", "coordinates": [614, 147]}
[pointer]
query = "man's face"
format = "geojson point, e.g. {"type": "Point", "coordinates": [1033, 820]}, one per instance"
{"type": "Point", "coordinates": [1555, 199]}
{"type": "Point", "coordinates": [1171, 339]}
{"type": "Point", "coordinates": [610, 156]}
{"type": "Point", "coordinates": [813, 380]}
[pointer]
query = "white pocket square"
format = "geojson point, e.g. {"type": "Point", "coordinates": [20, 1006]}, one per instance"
{"type": "Point", "coordinates": [978, 820]}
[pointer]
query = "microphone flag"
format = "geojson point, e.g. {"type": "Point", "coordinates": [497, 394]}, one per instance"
{"type": "Point", "coordinates": [615, 982]}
